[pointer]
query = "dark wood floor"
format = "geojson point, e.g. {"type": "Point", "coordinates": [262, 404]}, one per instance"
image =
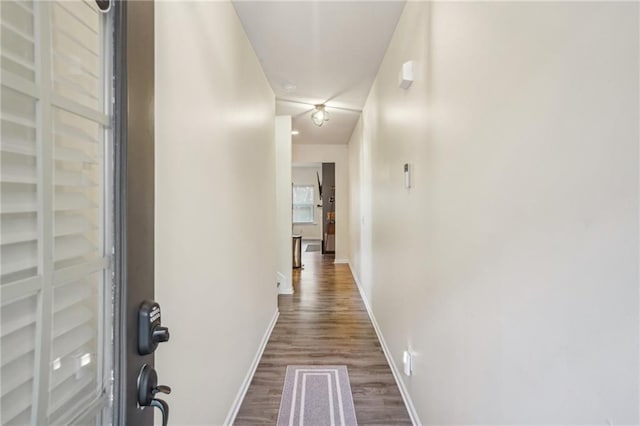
{"type": "Point", "coordinates": [325, 322]}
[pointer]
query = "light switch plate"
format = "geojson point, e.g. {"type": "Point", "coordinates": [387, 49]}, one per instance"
{"type": "Point", "coordinates": [407, 361]}
{"type": "Point", "coordinates": [405, 79]}
{"type": "Point", "coordinates": [407, 176]}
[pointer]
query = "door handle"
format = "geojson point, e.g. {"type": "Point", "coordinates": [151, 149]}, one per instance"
{"type": "Point", "coordinates": [164, 409]}
{"type": "Point", "coordinates": [148, 388]}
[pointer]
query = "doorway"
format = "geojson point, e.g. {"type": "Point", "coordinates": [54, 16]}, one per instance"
{"type": "Point", "coordinates": [329, 208]}
{"type": "Point", "coordinates": [314, 205]}
{"type": "Point", "coordinates": [307, 201]}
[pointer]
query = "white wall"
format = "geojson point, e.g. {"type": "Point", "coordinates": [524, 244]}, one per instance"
{"type": "Point", "coordinates": [338, 154]}
{"type": "Point", "coordinates": [215, 206]}
{"type": "Point", "coordinates": [511, 266]}
{"type": "Point", "coordinates": [283, 204]}
{"type": "Point", "coordinates": [306, 175]}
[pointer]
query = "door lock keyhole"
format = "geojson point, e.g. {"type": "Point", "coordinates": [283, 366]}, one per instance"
{"type": "Point", "coordinates": [150, 330]}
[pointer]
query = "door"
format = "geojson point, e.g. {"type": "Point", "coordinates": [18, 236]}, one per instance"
{"type": "Point", "coordinates": [135, 206]}
{"type": "Point", "coordinates": [76, 209]}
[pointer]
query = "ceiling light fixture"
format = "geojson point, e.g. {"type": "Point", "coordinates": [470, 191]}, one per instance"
{"type": "Point", "coordinates": [319, 115]}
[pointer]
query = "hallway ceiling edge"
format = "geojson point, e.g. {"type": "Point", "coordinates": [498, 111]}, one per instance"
{"type": "Point", "coordinates": [315, 52]}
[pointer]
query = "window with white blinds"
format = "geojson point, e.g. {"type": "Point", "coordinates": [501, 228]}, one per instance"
{"type": "Point", "coordinates": [55, 213]}
{"type": "Point", "coordinates": [303, 204]}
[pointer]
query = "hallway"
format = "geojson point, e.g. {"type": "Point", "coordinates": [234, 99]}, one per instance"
{"type": "Point", "coordinates": [324, 323]}
{"type": "Point", "coordinates": [488, 210]}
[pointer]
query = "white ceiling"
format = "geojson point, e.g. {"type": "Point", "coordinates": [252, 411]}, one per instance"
{"type": "Point", "coordinates": [329, 51]}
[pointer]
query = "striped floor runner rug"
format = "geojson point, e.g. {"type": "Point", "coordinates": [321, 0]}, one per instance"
{"type": "Point", "coordinates": [316, 395]}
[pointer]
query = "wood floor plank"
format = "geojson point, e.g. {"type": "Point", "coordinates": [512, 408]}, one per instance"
{"type": "Point", "coordinates": [324, 322]}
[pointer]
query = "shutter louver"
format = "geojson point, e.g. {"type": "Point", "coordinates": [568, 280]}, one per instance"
{"type": "Point", "coordinates": [74, 343]}
{"type": "Point", "coordinates": [18, 213]}
{"type": "Point", "coordinates": [77, 206]}
{"type": "Point", "coordinates": [76, 53]}
{"type": "Point", "coordinates": [18, 344]}
{"type": "Point", "coordinates": [18, 46]}
{"type": "Point", "coordinates": [19, 178]}
{"type": "Point", "coordinates": [76, 138]}
{"type": "Point", "coordinates": [52, 212]}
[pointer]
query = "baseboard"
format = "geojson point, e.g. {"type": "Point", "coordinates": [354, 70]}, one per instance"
{"type": "Point", "coordinates": [387, 353]}
{"type": "Point", "coordinates": [341, 261]}
{"type": "Point", "coordinates": [233, 412]}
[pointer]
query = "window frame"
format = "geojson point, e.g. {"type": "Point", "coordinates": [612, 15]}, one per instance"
{"type": "Point", "coordinates": [294, 205]}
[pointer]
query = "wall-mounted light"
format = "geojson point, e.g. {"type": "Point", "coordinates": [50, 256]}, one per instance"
{"type": "Point", "coordinates": [319, 115]}
{"type": "Point", "coordinates": [295, 132]}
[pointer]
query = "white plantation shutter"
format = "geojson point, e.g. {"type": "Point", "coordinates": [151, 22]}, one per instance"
{"type": "Point", "coordinates": [19, 211]}
{"type": "Point", "coordinates": [55, 282]}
